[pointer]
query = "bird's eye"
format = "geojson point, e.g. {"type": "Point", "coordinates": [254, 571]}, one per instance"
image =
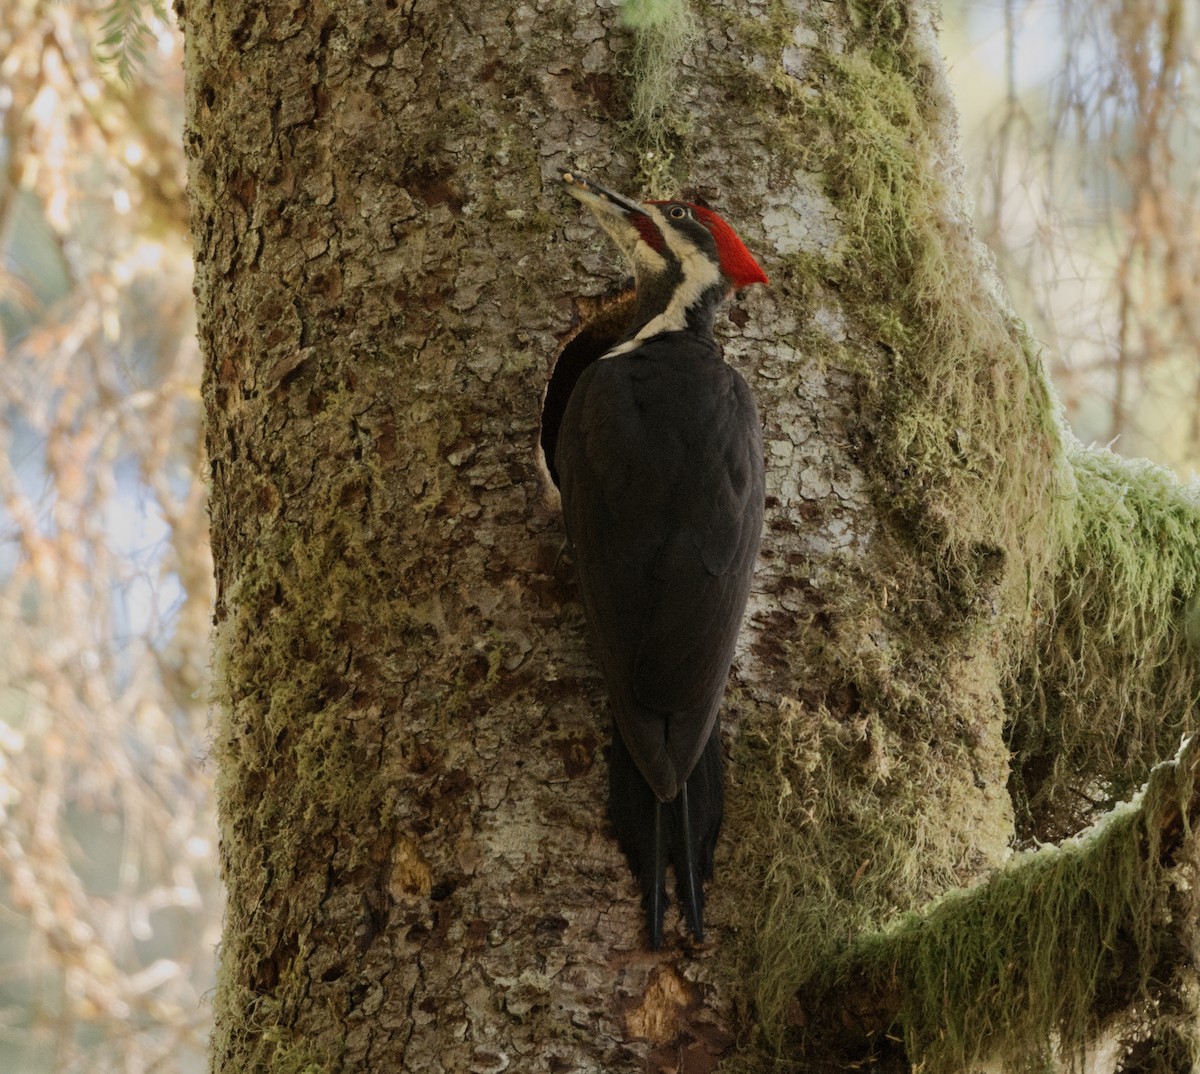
{"type": "Point", "coordinates": [678, 212]}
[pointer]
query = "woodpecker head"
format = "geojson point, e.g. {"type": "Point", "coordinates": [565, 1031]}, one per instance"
{"type": "Point", "coordinates": [686, 260]}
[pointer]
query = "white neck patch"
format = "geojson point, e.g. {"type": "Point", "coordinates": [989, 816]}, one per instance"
{"type": "Point", "coordinates": [698, 275]}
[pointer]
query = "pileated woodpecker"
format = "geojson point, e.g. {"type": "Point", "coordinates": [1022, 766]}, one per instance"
{"type": "Point", "coordinates": [660, 466]}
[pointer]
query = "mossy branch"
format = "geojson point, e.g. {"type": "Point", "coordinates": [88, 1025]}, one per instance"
{"type": "Point", "coordinates": [1048, 952]}
{"type": "Point", "coordinates": [1111, 678]}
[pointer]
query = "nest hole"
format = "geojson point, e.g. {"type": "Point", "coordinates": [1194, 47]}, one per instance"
{"type": "Point", "coordinates": [601, 323]}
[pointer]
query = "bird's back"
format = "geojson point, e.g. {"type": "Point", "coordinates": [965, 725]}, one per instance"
{"type": "Point", "coordinates": [661, 469]}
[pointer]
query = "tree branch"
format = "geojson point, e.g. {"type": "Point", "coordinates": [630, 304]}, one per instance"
{"type": "Point", "coordinates": [1062, 944]}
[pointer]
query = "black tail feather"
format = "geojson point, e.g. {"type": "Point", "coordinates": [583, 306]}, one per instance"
{"type": "Point", "coordinates": [682, 833]}
{"type": "Point", "coordinates": [691, 890]}
{"type": "Point", "coordinates": [654, 897]}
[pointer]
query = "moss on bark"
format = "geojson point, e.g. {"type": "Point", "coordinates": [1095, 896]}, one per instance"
{"type": "Point", "coordinates": [1018, 584]}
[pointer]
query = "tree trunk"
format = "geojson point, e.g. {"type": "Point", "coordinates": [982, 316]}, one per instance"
{"type": "Point", "coordinates": [410, 728]}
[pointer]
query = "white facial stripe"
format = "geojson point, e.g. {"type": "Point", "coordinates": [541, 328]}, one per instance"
{"type": "Point", "coordinates": [698, 272]}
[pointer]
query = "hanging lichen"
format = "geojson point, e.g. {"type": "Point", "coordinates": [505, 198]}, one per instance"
{"type": "Point", "coordinates": [663, 31]}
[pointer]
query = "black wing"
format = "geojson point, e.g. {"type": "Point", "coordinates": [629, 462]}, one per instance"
{"type": "Point", "coordinates": [660, 461]}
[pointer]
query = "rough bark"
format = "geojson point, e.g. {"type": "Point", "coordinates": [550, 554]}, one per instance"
{"type": "Point", "coordinates": [409, 725]}
{"type": "Point", "coordinates": [410, 728]}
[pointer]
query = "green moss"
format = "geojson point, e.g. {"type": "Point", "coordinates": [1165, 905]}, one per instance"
{"type": "Point", "coordinates": [1044, 952]}
{"type": "Point", "coordinates": [846, 838]}
{"type": "Point", "coordinates": [285, 1055]}
{"type": "Point", "coordinates": [296, 753]}
{"type": "Point", "coordinates": [966, 428]}
{"type": "Point", "coordinates": [854, 828]}
{"type": "Point", "coordinates": [1111, 679]}
{"type": "Point", "coordinates": [995, 533]}
{"type": "Point", "coordinates": [765, 35]}
{"type": "Point", "coordinates": [1014, 577]}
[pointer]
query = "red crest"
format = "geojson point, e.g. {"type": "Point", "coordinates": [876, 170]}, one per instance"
{"type": "Point", "coordinates": [737, 263]}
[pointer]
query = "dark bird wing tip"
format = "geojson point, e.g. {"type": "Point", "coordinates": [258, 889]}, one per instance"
{"type": "Point", "coordinates": [680, 832]}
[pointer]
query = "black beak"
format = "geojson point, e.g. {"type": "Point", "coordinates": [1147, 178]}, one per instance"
{"type": "Point", "coordinates": [599, 198]}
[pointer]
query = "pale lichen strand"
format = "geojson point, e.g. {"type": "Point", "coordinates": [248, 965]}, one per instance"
{"type": "Point", "coordinates": [662, 32]}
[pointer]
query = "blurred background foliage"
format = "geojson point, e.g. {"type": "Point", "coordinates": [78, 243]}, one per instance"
{"type": "Point", "coordinates": [109, 902]}
{"type": "Point", "coordinates": [1080, 128]}
{"type": "Point", "coordinates": [1081, 133]}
